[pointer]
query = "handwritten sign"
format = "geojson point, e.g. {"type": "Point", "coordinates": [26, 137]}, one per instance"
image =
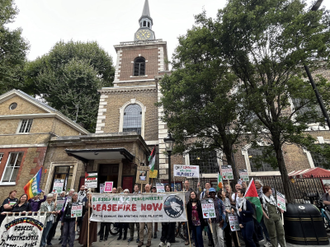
{"type": "Point", "coordinates": [244, 175]}
{"type": "Point", "coordinates": [58, 186]}
{"type": "Point", "coordinates": [227, 173]}
{"type": "Point", "coordinates": [160, 187]}
{"type": "Point", "coordinates": [91, 180]}
{"type": "Point", "coordinates": [208, 209]}
{"type": "Point", "coordinates": [233, 223]}
{"type": "Point", "coordinates": [108, 186]}
{"type": "Point", "coordinates": [59, 204]}
{"type": "Point", "coordinates": [153, 174]}
{"type": "Point", "coordinates": [281, 201]}
{"type": "Point", "coordinates": [186, 171]}
{"type": "Point", "coordinates": [76, 211]}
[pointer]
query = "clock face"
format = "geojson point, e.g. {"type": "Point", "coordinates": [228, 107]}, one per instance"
{"type": "Point", "coordinates": [143, 34]}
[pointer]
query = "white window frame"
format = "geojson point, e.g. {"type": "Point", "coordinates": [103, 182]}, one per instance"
{"type": "Point", "coordinates": [13, 168]}
{"type": "Point", "coordinates": [1, 156]}
{"type": "Point", "coordinates": [27, 127]}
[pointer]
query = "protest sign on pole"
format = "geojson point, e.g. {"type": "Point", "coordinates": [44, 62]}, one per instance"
{"type": "Point", "coordinates": [208, 208]}
{"type": "Point", "coordinates": [102, 188]}
{"type": "Point", "coordinates": [22, 230]}
{"type": "Point", "coordinates": [160, 188]}
{"type": "Point", "coordinates": [244, 175]}
{"type": "Point", "coordinates": [58, 186]}
{"type": "Point", "coordinates": [233, 223]}
{"type": "Point", "coordinates": [227, 173]}
{"type": "Point", "coordinates": [281, 201]}
{"type": "Point", "coordinates": [91, 180]}
{"type": "Point", "coordinates": [76, 211]}
{"type": "Point", "coordinates": [160, 207]}
{"type": "Point", "coordinates": [186, 171]}
{"type": "Point", "coordinates": [108, 186]}
{"type": "Point", "coordinates": [59, 204]}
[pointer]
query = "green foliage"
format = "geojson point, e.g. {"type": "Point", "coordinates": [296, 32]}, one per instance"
{"type": "Point", "coordinates": [68, 78]}
{"type": "Point", "coordinates": [13, 49]}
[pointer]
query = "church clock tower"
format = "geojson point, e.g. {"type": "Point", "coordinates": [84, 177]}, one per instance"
{"type": "Point", "coordinates": [145, 31]}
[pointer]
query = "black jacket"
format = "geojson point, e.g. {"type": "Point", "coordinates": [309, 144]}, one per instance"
{"type": "Point", "coordinates": [25, 207]}
{"type": "Point", "coordinates": [200, 214]}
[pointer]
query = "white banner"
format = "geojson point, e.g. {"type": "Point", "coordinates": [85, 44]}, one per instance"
{"type": "Point", "coordinates": [160, 207]}
{"type": "Point", "coordinates": [21, 231]}
{"type": "Point", "coordinates": [186, 171]}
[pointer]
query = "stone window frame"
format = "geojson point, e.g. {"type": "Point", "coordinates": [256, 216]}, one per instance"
{"type": "Point", "coordinates": [245, 153]}
{"type": "Point", "coordinates": [13, 168]}
{"type": "Point", "coordinates": [122, 110]}
{"type": "Point", "coordinates": [24, 126]}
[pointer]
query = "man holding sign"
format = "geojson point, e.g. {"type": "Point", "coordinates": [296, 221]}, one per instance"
{"type": "Point", "coordinates": [217, 222]}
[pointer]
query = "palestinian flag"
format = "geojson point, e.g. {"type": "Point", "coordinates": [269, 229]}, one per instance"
{"type": "Point", "coordinates": [220, 182]}
{"type": "Point", "coordinates": [152, 159]}
{"type": "Point", "coordinates": [252, 195]}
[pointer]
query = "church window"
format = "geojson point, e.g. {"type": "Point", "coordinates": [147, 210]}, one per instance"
{"type": "Point", "coordinates": [144, 23]}
{"type": "Point", "coordinates": [132, 118]}
{"type": "Point", "coordinates": [148, 24]}
{"type": "Point", "coordinates": [139, 66]}
{"type": "Point", "coordinates": [205, 159]}
{"type": "Point", "coordinates": [261, 159]}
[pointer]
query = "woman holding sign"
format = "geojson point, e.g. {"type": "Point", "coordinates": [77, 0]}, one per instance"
{"type": "Point", "coordinates": [272, 217]}
{"type": "Point", "coordinates": [195, 218]}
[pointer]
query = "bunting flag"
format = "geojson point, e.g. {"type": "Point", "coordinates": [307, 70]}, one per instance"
{"type": "Point", "coordinates": [220, 183]}
{"type": "Point", "coordinates": [152, 159]}
{"type": "Point", "coordinates": [252, 195]}
{"type": "Point", "coordinates": [32, 187]}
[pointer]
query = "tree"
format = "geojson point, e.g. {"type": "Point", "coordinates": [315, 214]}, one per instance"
{"type": "Point", "coordinates": [13, 49]}
{"type": "Point", "coordinates": [68, 78]}
{"type": "Point", "coordinates": [201, 105]}
{"type": "Point", "coordinates": [266, 43]}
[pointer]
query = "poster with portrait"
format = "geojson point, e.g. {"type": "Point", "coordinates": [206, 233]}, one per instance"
{"type": "Point", "coordinates": [142, 175]}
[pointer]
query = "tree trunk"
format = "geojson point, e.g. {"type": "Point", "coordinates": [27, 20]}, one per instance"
{"type": "Point", "coordinates": [284, 173]}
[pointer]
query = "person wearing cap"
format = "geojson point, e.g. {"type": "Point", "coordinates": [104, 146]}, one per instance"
{"type": "Point", "coordinates": [47, 207]}
{"type": "Point", "coordinates": [217, 223]}
{"type": "Point", "coordinates": [123, 225]}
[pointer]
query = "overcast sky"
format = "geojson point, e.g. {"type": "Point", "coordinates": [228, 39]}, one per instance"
{"type": "Point", "coordinates": [109, 22]}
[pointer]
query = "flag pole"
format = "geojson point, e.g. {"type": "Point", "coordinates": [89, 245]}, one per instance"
{"type": "Point", "coordinates": [88, 205]}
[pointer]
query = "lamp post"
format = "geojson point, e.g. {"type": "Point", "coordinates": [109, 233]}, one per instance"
{"type": "Point", "coordinates": [315, 7]}
{"type": "Point", "coordinates": [169, 141]}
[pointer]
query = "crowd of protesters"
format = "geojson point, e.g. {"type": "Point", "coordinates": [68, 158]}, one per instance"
{"type": "Point", "coordinates": [269, 230]}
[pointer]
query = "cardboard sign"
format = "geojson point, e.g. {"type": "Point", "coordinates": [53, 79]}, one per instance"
{"type": "Point", "coordinates": [160, 188]}
{"type": "Point", "coordinates": [281, 201]}
{"type": "Point", "coordinates": [108, 186]}
{"type": "Point", "coordinates": [76, 211]}
{"type": "Point", "coordinates": [58, 186]}
{"type": "Point", "coordinates": [91, 180]}
{"type": "Point", "coordinates": [101, 188]}
{"type": "Point", "coordinates": [59, 204]}
{"type": "Point", "coordinates": [153, 174]}
{"type": "Point", "coordinates": [208, 209]}
{"type": "Point", "coordinates": [186, 171]}
{"type": "Point", "coordinates": [227, 173]}
{"type": "Point", "coordinates": [244, 175]}
{"type": "Point", "coordinates": [233, 223]}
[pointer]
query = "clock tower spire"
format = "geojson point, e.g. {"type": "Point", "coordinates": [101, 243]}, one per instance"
{"type": "Point", "coordinates": [145, 31]}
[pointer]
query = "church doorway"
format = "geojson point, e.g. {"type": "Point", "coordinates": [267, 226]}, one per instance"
{"type": "Point", "coordinates": [108, 172]}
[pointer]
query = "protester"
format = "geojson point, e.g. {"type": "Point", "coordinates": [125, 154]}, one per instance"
{"type": "Point", "coordinates": [35, 202]}
{"type": "Point", "coordinates": [326, 196]}
{"type": "Point", "coordinates": [217, 223]}
{"type": "Point", "coordinates": [168, 229]}
{"type": "Point", "coordinates": [154, 190]}
{"type": "Point", "coordinates": [142, 225]}
{"type": "Point", "coordinates": [195, 218]}
{"type": "Point", "coordinates": [22, 205]}
{"type": "Point", "coordinates": [105, 227]}
{"type": "Point", "coordinates": [82, 199]}
{"type": "Point", "coordinates": [119, 190]}
{"type": "Point", "coordinates": [92, 226]}
{"type": "Point", "coordinates": [131, 225]}
{"type": "Point", "coordinates": [234, 195]}
{"type": "Point", "coordinates": [245, 217]}
{"type": "Point", "coordinates": [207, 186]}
{"type": "Point", "coordinates": [52, 231]}
{"type": "Point", "coordinates": [244, 185]}
{"type": "Point", "coordinates": [49, 207]}
{"type": "Point", "coordinates": [123, 225]}
{"type": "Point", "coordinates": [229, 235]}
{"type": "Point", "coordinates": [68, 236]}
{"type": "Point", "coordinates": [8, 204]}
{"type": "Point", "coordinates": [272, 217]}
{"type": "Point", "coordinates": [187, 190]}
{"type": "Point", "coordinates": [69, 195]}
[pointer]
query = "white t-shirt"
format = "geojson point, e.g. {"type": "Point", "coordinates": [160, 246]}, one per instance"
{"type": "Point", "coordinates": [233, 197]}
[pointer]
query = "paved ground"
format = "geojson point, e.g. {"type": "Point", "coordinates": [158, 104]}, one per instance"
{"type": "Point", "coordinates": [112, 241]}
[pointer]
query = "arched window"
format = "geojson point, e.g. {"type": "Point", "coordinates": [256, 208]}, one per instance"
{"type": "Point", "coordinates": [139, 66]}
{"type": "Point", "coordinates": [132, 118]}
{"type": "Point", "coordinates": [144, 23]}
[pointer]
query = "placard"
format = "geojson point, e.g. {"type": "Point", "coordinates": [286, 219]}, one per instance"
{"type": "Point", "coordinates": [76, 211]}
{"type": "Point", "coordinates": [244, 175]}
{"type": "Point", "coordinates": [160, 207]}
{"type": "Point", "coordinates": [101, 188]}
{"type": "Point", "coordinates": [108, 186]}
{"type": "Point", "coordinates": [208, 208]}
{"type": "Point", "coordinates": [186, 171]}
{"type": "Point", "coordinates": [59, 205]}
{"type": "Point", "coordinates": [153, 174]}
{"type": "Point", "coordinates": [227, 173]}
{"type": "Point", "coordinates": [17, 230]}
{"type": "Point", "coordinates": [91, 180]}
{"type": "Point", "coordinates": [281, 201]}
{"type": "Point", "coordinates": [58, 186]}
{"type": "Point", "coordinates": [233, 222]}
{"type": "Point", "coordinates": [160, 188]}
{"type": "Point", "coordinates": [142, 175]}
